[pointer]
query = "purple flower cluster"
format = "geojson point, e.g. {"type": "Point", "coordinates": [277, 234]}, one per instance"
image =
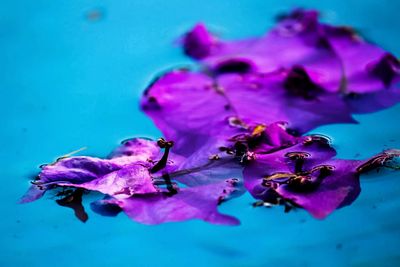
{"type": "Point", "coordinates": [239, 124]}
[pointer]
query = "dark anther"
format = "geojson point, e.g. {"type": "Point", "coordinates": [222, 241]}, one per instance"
{"type": "Point", "coordinates": [240, 149]}
{"type": "Point", "coordinates": [74, 201]}
{"type": "Point", "coordinates": [170, 187]}
{"type": "Point", "coordinates": [298, 83]}
{"type": "Point", "coordinates": [302, 183]}
{"type": "Point", "coordinates": [297, 155]}
{"type": "Point", "coordinates": [233, 66]}
{"type": "Point", "coordinates": [324, 171]}
{"type": "Point", "coordinates": [298, 158]}
{"type": "Point", "coordinates": [163, 161]}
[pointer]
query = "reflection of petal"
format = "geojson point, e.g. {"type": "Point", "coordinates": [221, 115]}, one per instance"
{"type": "Point", "coordinates": [34, 192]}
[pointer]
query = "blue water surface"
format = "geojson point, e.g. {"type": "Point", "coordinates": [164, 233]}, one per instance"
{"type": "Point", "coordinates": [71, 76]}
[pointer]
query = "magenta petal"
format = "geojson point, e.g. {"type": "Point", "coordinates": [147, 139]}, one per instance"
{"type": "Point", "coordinates": [131, 180]}
{"type": "Point", "coordinates": [374, 101]}
{"type": "Point", "coordinates": [336, 58]}
{"type": "Point", "coordinates": [189, 203]}
{"type": "Point", "coordinates": [136, 149]}
{"type": "Point", "coordinates": [198, 42]}
{"type": "Point", "coordinates": [127, 172]}
{"type": "Point", "coordinates": [341, 187]}
{"type": "Point", "coordinates": [189, 109]}
{"type": "Point", "coordinates": [76, 170]}
{"type": "Point", "coordinates": [306, 175]}
{"type": "Point", "coordinates": [284, 97]}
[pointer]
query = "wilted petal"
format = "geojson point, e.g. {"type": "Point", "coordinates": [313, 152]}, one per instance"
{"type": "Point", "coordinates": [136, 149]}
{"type": "Point", "coordinates": [188, 108]}
{"type": "Point", "coordinates": [130, 180]}
{"type": "Point", "coordinates": [295, 41]}
{"type": "Point", "coordinates": [127, 172]}
{"type": "Point", "coordinates": [284, 96]}
{"type": "Point", "coordinates": [374, 101]}
{"type": "Point", "coordinates": [199, 202]}
{"type": "Point", "coordinates": [307, 175]}
{"type": "Point", "coordinates": [336, 58]}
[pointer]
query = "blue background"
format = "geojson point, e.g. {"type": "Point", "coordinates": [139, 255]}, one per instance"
{"type": "Point", "coordinates": [71, 76]}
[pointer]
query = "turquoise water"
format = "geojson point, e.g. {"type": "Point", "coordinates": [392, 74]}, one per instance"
{"type": "Point", "coordinates": [71, 76]}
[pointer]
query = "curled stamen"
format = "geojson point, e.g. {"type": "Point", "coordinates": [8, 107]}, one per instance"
{"type": "Point", "coordinates": [163, 161]}
{"type": "Point", "coordinates": [297, 155]}
{"type": "Point", "coordinates": [299, 158]}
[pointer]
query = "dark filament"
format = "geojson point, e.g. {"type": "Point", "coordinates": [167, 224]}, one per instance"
{"type": "Point", "coordinates": [170, 187]}
{"type": "Point", "coordinates": [163, 161]}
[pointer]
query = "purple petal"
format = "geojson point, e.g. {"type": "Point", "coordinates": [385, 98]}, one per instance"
{"type": "Point", "coordinates": [127, 172]}
{"type": "Point", "coordinates": [130, 180]}
{"type": "Point", "coordinates": [190, 109]}
{"type": "Point", "coordinates": [198, 42]}
{"type": "Point", "coordinates": [307, 176]}
{"type": "Point", "coordinates": [189, 203]}
{"type": "Point", "coordinates": [284, 96]}
{"type": "Point", "coordinates": [335, 58]}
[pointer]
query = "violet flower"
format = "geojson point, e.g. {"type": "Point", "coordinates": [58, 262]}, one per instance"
{"type": "Point", "coordinates": [137, 179]}
{"type": "Point", "coordinates": [246, 112]}
{"type": "Point", "coordinates": [336, 58]}
{"type": "Point", "coordinates": [307, 175]}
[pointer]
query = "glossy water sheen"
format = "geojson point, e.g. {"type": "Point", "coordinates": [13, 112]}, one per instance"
{"type": "Point", "coordinates": [71, 76]}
